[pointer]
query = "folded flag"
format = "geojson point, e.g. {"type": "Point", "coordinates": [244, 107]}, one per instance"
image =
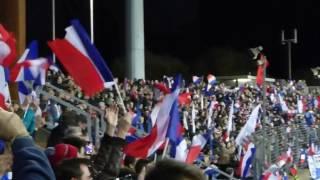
{"type": "Point", "coordinates": [8, 52]}
{"type": "Point", "coordinates": [78, 55]}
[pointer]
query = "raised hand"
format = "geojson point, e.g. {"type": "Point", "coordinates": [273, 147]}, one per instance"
{"type": "Point", "coordinates": [111, 118]}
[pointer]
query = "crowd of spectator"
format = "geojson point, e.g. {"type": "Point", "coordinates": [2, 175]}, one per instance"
{"type": "Point", "coordinates": [203, 107]}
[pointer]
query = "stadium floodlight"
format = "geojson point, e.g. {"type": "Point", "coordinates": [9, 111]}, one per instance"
{"type": "Point", "coordinates": [316, 72]}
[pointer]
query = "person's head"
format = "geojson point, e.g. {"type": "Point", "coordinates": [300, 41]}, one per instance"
{"type": "Point", "coordinates": [173, 170]}
{"type": "Point", "coordinates": [74, 169]}
{"type": "Point", "coordinates": [62, 152]}
{"type": "Point", "coordinates": [129, 161]}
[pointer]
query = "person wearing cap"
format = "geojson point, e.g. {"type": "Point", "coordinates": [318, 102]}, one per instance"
{"type": "Point", "coordinates": [29, 161]}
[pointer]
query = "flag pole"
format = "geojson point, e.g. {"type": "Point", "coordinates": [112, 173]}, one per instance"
{"type": "Point", "coordinates": [165, 148]}
{"type": "Point", "coordinates": [54, 25]}
{"type": "Point", "coordinates": [120, 97]}
{"type": "Point", "coordinates": [92, 21]}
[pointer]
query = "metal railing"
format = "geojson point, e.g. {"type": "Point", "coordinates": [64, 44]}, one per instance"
{"type": "Point", "coordinates": [98, 130]}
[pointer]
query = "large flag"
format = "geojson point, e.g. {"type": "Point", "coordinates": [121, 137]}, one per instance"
{"type": "Point", "coordinates": [8, 52]}
{"type": "Point", "coordinates": [146, 146]}
{"type": "Point", "coordinates": [198, 143]}
{"type": "Point", "coordinates": [82, 60]}
{"type": "Point", "coordinates": [250, 125]}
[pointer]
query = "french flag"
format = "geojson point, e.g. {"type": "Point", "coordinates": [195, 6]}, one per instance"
{"type": "Point", "coordinates": [196, 80]}
{"type": "Point", "coordinates": [146, 146]}
{"type": "Point", "coordinates": [250, 126]}
{"type": "Point", "coordinates": [180, 151]}
{"type": "Point", "coordinates": [30, 66]}
{"type": "Point", "coordinates": [24, 90]}
{"type": "Point", "coordinates": [198, 143]}
{"type": "Point", "coordinates": [211, 79]}
{"type": "Point", "coordinates": [82, 60]}
{"type": "Point", "coordinates": [8, 52]}
{"type": "Point", "coordinates": [4, 87]}
{"type": "Point", "coordinates": [247, 160]}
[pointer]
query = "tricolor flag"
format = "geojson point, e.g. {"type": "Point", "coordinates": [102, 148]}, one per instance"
{"type": "Point", "coordinates": [24, 90]}
{"type": "Point", "coordinates": [8, 52]}
{"type": "Point", "coordinates": [146, 146]}
{"type": "Point", "coordinates": [211, 79]}
{"type": "Point", "coordinates": [247, 160]}
{"type": "Point", "coordinates": [82, 60]}
{"type": "Point", "coordinates": [250, 125]}
{"type": "Point", "coordinates": [180, 151]}
{"type": "Point", "coordinates": [198, 143]}
{"type": "Point", "coordinates": [30, 66]}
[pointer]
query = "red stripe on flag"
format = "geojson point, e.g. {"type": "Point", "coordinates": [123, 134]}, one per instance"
{"type": "Point", "coordinates": [78, 66]}
{"type": "Point", "coordinates": [193, 154]}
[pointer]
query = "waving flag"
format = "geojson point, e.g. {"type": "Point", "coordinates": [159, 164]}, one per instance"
{"type": "Point", "coordinates": [30, 66]}
{"type": "Point", "coordinates": [283, 104]}
{"type": "Point", "coordinates": [211, 79]}
{"type": "Point", "coordinates": [180, 150]}
{"type": "Point", "coordinates": [146, 146]}
{"type": "Point", "coordinates": [198, 143]}
{"type": "Point", "coordinates": [8, 52]}
{"type": "Point", "coordinates": [78, 55]}
{"type": "Point", "coordinates": [250, 125]}
{"type": "Point", "coordinates": [247, 160]}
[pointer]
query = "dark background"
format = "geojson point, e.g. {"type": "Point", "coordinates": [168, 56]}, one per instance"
{"type": "Point", "coordinates": [194, 37]}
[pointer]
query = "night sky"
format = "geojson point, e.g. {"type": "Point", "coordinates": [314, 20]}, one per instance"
{"type": "Point", "coordinates": [204, 35]}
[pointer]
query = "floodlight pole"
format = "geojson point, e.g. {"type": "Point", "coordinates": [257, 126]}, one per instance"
{"type": "Point", "coordinates": [53, 12]}
{"type": "Point", "coordinates": [289, 43]}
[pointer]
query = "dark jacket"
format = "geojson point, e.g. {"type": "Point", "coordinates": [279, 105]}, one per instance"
{"type": "Point", "coordinates": [106, 164]}
{"type": "Point", "coordinates": [29, 161]}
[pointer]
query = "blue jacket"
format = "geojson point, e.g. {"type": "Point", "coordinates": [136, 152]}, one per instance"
{"type": "Point", "coordinates": [29, 161]}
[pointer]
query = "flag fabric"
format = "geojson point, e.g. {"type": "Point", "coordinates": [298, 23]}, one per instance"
{"type": "Point", "coordinates": [174, 124]}
{"type": "Point", "coordinates": [30, 66]}
{"type": "Point", "coordinates": [4, 87]}
{"type": "Point", "coordinates": [198, 143]}
{"type": "Point", "coordinates": [146, 146]}
{"type": "Point", "coordinates": [78, 55]}
{"type": "Point", "coordinates": [211, 79]}
{"type": "Point", "coordinates": [162, 87]}
{"type": "Point", "coordinates": [230, 122]}
{"type": "Point", "coordinates": [180, 151]}
{"type": "Point", "coordinates": [23, 91]}
{"type": "Point", "coordinates": [193, 118]}
{"type": "Point", "coordinates": [300, 106]}
{"type": "Point", "coordinates": [8, 52]}
{"type": "Point", "coordinates": [247, 160]}
{"type": "Point", "coordinates": [260, 70]}
{"type": "Point", "coordinates": [196, 79]}
{"type": "Point", "coordinates": [283, 104]}
{"type": "Point", "coordinates": [250, 125]}
{"type": "Point", "coordinates": [185, 99]}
